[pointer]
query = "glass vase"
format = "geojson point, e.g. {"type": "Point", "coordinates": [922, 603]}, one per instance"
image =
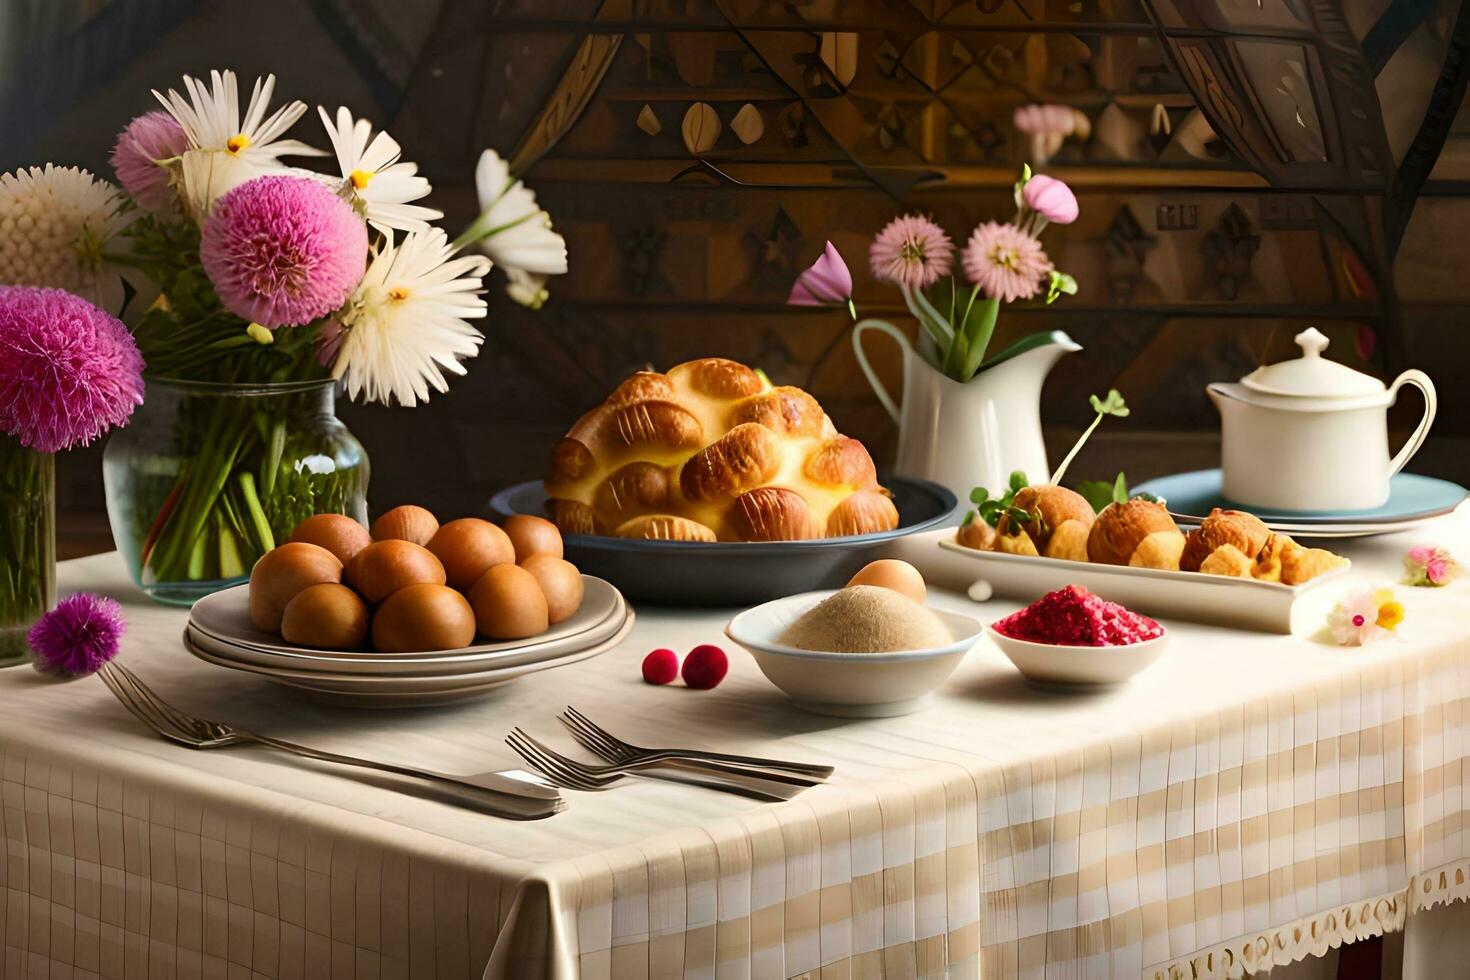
{"type": "Point", "coordinates": [209, 477]}
{"type": "Point", "coordinates": [27, 544]}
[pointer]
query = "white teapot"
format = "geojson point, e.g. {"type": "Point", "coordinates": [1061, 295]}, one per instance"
{"type": "Point", "coordinates": [1311, 434]}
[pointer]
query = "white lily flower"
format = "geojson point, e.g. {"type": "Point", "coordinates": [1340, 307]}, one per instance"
{"type": "Point", "coordinates": [225, 150]}
{"type": "Point", "coordinates": [373, 179]}
{"type": "Point", "coordinates": [404, 326]}
{"type": "Point", "coordinates": [512, 229]}
{"type": "Point", "coordinates": [526, 288]}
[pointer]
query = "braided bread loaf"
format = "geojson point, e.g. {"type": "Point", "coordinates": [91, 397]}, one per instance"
{"type": "Point", "coordinates": [712, 451]}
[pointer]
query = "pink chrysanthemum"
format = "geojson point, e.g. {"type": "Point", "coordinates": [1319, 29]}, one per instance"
{"type": "Point", "coordinates": [283, 251]}
{"type": "Point", "coordinates": [1005, 262]}
{"type": "Point", "coordinates": [68, 371]}
{"type": "Point", "coordinates": [911, 251]}
{"type": "Point", "coordinates": [151, 137]}
{"type": "Point", "coordinates": [81, 634]}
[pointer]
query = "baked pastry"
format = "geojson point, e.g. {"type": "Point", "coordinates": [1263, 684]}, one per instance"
{"type": "Point", "coordinates": [1050, 507]}
{"type": "Point", "coordinates": [1233, 527]}
{"type": "Point", "coordinates": [711, 451]}
{"type": "Point", "coordinates": [1228, 560]}
{"type": "Point", "coordinates": [1135, 532]}
{"type": "Point", "coordinates": [1300, 564]}
{"type": "Point", "coordinates": [975, 533]}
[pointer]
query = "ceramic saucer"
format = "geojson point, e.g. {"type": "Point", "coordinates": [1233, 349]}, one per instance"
{"type": "Point", "coordinates": [1413, 500]}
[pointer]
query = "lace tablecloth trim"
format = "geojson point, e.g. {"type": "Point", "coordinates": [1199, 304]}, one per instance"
{"type": "Point", "coordinates": [1314, 935]}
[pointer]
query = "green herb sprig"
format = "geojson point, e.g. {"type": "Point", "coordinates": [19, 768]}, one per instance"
{"type": "Point", "coordinates": [990, 509]}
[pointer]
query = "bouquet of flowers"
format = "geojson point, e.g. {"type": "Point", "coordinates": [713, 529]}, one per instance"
{"type": "Point", "coordinates": [1003, 262]}
{"type": "Point", "coordinates": [68, 373]}
{"type": "Point", "coordinates": [237, 269]}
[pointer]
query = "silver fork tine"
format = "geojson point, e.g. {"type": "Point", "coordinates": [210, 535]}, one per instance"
{"type": "Point", "coordinates": [183, 721]}
{"type": "Point", "coordinates": [548, 762]}
{"type": "Point", "coordinates": [140, 709]}
{"type": "Point", "coordinates": [617, 745]}
{"type": "Point", "coordinates": [631, 752]}
{"type": "Point", "coordinates": [595, 742]}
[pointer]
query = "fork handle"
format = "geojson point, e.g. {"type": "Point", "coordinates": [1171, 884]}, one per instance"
{"type": "Point", "coordinates": [484, 782]}
{"type": "Point", "coordinates": [685, 761]}
{"type": "Point", "coordinates": [745, 761]}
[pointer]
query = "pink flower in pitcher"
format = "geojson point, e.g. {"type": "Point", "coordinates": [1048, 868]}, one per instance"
{"type": "Point", "coordinates": [825, 283]}
{"type": "Point", "coordinates": [1005, 262]}
{"type": "Point", "coordinates": [911, 251]}
{"type": "Point", "coordinates": [1050, 198]}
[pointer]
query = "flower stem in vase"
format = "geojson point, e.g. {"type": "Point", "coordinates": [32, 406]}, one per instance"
{"type": "Point", "coordinates": [27, 544]}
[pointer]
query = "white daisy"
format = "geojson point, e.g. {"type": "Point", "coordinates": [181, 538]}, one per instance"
{"type": "Point", "coordinates": [373, 179]}
{"type": "Point", "coordinates": [225, 150]}
{"type": "Point", "coordinates": [512, 229]}
{"type": "Point", "coordinates": [405, 325]}
{"type": "Point", "coordinates": [55, 225]}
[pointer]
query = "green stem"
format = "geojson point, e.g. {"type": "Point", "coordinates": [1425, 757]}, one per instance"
{"type": "Point", "coordinates": [1056, 477]}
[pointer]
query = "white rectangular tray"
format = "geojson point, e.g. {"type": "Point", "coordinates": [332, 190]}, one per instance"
{"type": "Point", "coordinates": [1243, 603]}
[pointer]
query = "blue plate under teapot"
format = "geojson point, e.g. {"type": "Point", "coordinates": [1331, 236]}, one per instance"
{"type": "Point", "coordinates": [1412, 498]}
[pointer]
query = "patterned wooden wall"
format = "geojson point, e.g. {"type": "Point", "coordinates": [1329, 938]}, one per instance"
{"type": "Point", "coordinates": [1245, 168]}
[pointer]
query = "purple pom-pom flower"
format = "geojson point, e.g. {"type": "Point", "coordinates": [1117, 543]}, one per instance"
{"type": "Point", "coordinates": [81, 634]}
{"type": "Point", "coordinates": [68, 371]}
{"type": "Point", "coordinates": [149, 138]}
{"type": "Point", "coordinates": [283, 251]}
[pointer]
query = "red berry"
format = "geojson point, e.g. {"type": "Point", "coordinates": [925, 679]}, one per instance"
{"type": "Point", "coordinates": [661, 666]}
{"type": "Point", "coordinates": [705, 667]}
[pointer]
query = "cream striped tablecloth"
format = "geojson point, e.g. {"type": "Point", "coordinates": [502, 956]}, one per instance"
{"type": "Point", "coordinates": [1250, 800]}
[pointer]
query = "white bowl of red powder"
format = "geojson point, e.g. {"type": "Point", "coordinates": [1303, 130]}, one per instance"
{"type": "Point", "coordinates": [1073, 638]}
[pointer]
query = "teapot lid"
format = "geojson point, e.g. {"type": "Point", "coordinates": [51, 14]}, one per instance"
{"type": "Point", "coordinates": [1312, 375]}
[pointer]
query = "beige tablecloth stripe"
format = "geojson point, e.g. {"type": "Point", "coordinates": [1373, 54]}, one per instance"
{"type": "Point", "coordinates": [1215, 845]}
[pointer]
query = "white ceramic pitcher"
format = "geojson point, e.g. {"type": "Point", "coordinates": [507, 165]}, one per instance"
{"type": "Point", "coordinates": [968, 434]}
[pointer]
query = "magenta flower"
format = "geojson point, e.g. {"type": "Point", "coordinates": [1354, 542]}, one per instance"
{"type": "Point", "coordinates": [825, 283]}
{"type": "Point", "coordinates": [79, 636]}
{"type": "Point", "coordinates": [1005, 262]}
{"type": "Point", "coordinates": [1050, 198]}
{"type": "Point", "coordinates": [149, 138]}
{"type": "Point", "coordinates": [68, 371]}
{"type": "Point", "coordinates": [911, 251]}
{"type": "Point", "coordinates": [283, 251]}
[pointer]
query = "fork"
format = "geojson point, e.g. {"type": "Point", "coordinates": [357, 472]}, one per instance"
{"type": "Point", "coordinates": [512, 797]}
{"type": "Point", "coordinates": [614, 749]}
{"type": "Point", "coordinates": [579, 775]}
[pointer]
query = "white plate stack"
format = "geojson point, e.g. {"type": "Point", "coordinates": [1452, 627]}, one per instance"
{"type": "Point", "coordinates": [220, 632]}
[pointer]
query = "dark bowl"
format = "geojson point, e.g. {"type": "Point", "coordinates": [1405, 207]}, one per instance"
{"type": "Point", "coordinates": [735, 573]}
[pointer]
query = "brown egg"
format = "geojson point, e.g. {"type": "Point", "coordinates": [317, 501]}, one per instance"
{"type": "Point", "coordinates": [467, 547]}
{"type": "Point", "coordinates": [406, 523]}
{"type": "Point", "coordinates": [423, 617]}
{"type": "Point", "coordinates": [532, 536]}
{"type": "Point", "coordinates": [284, 571]}
{"type": "Point", "coordinates": [509, 603]}
{"type": "Point", "coordinates": [338, 533]}
{"type": "Point", "coordinates": [560, 582]}
{"type": "Point", "coordinates": [384, 567]}
{"type": "Point", "coordinates": [890, 573]}
{"type": "Point", "coordinates": [326, 615]}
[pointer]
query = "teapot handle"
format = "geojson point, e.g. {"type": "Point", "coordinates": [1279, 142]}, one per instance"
{"type": "Point", "coordinates": [868, 372]}
{"type": "Point", "coordinates": [1421, 381]}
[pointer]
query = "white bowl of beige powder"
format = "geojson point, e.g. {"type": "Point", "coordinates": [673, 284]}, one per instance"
{"type": "Point", "coordinates": [859, 652]}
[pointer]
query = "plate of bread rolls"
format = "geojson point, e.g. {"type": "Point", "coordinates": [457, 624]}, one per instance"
{"type": "Point", "coordinates": [707, 484]}
{"type": "Point", "coordinates": [1231, 570]}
